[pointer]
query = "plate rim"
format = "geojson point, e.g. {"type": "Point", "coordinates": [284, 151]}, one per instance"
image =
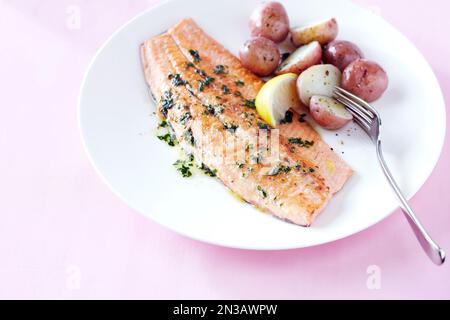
{"type": "Point", "coordinates": [342, 236]}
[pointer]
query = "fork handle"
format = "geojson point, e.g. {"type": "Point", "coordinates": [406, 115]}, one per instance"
{"type": "Point", "coordinates": [431, 248]}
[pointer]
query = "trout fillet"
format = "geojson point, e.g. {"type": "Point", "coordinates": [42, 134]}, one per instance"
{"type": "Point", "coordinates": [206, 96]}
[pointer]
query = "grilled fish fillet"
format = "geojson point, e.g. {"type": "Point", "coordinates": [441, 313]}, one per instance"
{"type": "Point", "coordinates": [205, 95]}
{"type": "Point", "coordinates": [187, 34]}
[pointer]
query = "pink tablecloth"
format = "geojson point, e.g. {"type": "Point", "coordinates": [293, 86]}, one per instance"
{"type": "Point", "coordinates": [63, 234]}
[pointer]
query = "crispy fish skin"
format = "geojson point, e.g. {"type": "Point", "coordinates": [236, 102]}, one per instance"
{"type": "Point", "coordinates": [297, 196]}
{"type": "Point", "coordinates": [237, 79]}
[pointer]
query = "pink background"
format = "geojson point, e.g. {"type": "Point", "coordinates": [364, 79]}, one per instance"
{"type": "Point", "coordinates": [63, 234]}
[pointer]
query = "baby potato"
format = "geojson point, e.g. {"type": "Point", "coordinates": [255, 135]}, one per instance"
{"type": "Point", "coordinates": [324, 32]}
{"type": "Point", "coordinates": [341, 54]}
{"type": "Point", "coordinates": [301, 59]}
{"type": "Point", "coordinates": [329, 113]}
{"type": "Point", "coordinates": [260, 55]}
{"type": "Point", "coordinates": [270, 21]}
{"type": "Point", "coordinates": [366, 79]}
{"type": "Point", "coordinates": [318, 80]}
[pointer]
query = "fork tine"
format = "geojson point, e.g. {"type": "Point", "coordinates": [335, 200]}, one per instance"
{"type": "Point", "coordinates": [354, 103]}
{"type": "Point", "coordinates": [358, 100]}
{"type": "Point", "coordinates": [352, 106]}
{"type": "Point", "coordinates": [361, 122]}
{"type": "Point", "coordinates": [362, 125]}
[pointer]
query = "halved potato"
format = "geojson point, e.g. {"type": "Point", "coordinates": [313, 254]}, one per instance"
{"type": "Point", "coordinates": [324, 32]}
{"type": "Point", "coordinates": [301, 59]}
{"type": "Point", "coordinates": [329, 113]}
{"type": "Point", "coordinates": [318, 80]}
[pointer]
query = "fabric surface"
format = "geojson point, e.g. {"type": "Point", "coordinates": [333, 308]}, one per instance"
{"type": "Point", "coordinates": [63, 234]}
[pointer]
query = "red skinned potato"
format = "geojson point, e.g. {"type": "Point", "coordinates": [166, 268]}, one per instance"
{"type": "Point", "coordinates": [270, 21]}
{"type": "Point", "coordinates": [301, 59]}
{"type": "Point", "coordinates": [366, 79]}
{"type": "Point", "coordinates": [319, 80]}
{"type": "Point", "coordinates": [329, 113]}
{"type": "Point", "coordinates": [260, 55]}
{"type": "Point", "coordinates": [341, 54]}
{"type": "Point", "coordinates": [324, 32]}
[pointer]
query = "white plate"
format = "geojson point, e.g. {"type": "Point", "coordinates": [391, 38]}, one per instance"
{"type": "Point", "coordinates": [118, 130]}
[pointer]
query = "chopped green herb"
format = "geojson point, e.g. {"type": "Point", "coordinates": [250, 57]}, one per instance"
{"type": "Point", "coordinates": [208, 171]}
{"type": "Point", "coordinates": [230, 127]}
{"type": "Point", "coordinates": [302, 118]}
{"type": "Point", "coordinates": [214, 110]}
{"type": "Point", "coordinates": [208, 80]}
{"type": "Point", "coordinates": [201, 72]}
{"type": "Point", "coordinates": [163, 124]}
{"type": "Point", "coordinates": [184, 167]}
{"type": "Point", "coordinates": [210, 109]}
{"type": "Point", "coordinates": [240, 165]}
{"type": "Point", "coordinates": [220, 69]}
{"type": "Point", "coordinates": [279, 169]}
{"type": "Point", "coordinates": [195, 55]}
{"type": "Point", "coordinates": [287, 118]}
{"type": "Point", "coordinates": [303, 143]}
{"type": "Point", "coordinates": [225, 89]}
{"type": "Point", "coordinates": [204, 83]}
{"type": "Point", "coordinates": [263, 192]}
{"type": "Point", "coordinates": [250, 103]}
{"type": "Point", "coordinates": [238, 94]}
{"type": "Point", "coordinates": [189, 137]}
{"type": "Point", "coordinates": [185, 117]}
{"type": "Point", "coordinates": [189, 65]}
{"type": "Point", "coordinates": [312, 170]}
{"type": "Point", "coordinates": [240, 83]}
{"type": "Point", "coordinates": [285, 169]}
{"type": "Point", "coordinates": [201, 85]}
{"type": "Point", "coordinates": [176, 80]}
{"type": "Point", "coordinates": [168, 138]}
{"type": "Point", "coordinates": [166, 102]}
{"type": "Point", "coordinates": [263, 126]}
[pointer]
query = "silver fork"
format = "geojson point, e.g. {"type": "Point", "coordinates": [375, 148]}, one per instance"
{"type": "Point", "coordinates": [370, 121]}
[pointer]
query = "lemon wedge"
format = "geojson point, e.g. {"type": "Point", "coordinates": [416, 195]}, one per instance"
{"type": "Point", "coordinates": [276, 97]}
